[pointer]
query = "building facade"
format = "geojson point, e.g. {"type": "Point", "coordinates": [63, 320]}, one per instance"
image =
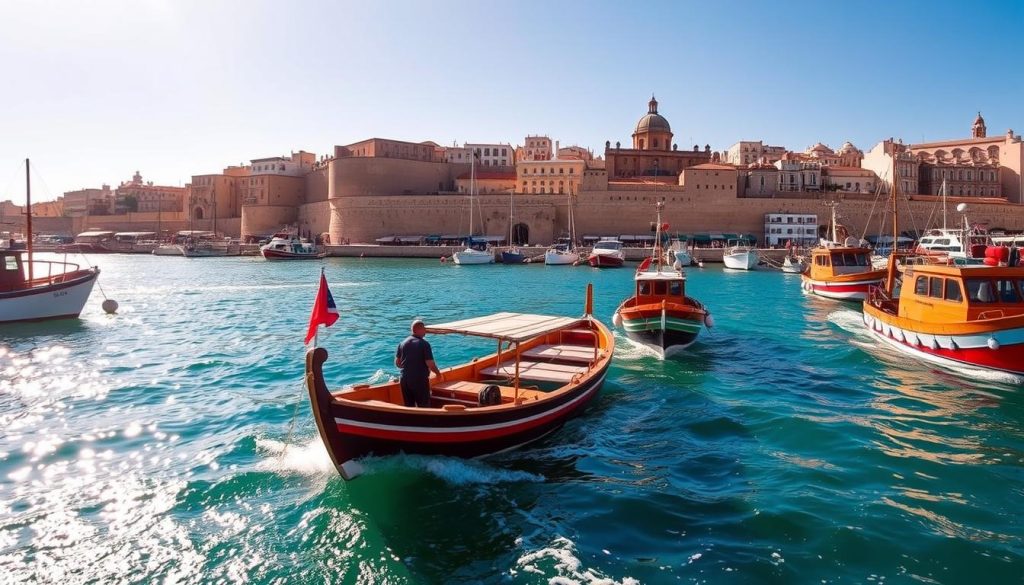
{"type": "Point", "coordinates": [653, 153]}
{"type": "Point", "coordinates": [549, 176]}
{"type": "Point", "coordinates": [385, 148]}
{"type": "Point", "coordinates": [751, 152]}
{"type": "Point", "coordinates": [536, 148]}
{"type": "Point", "coordinates": [136, 195]}
{"type": "Point", "coordinates": [89, 202]}
{"type": "Point", "coordinates": [799, 229]}
{"type": "Point", "coordinates": [493, 155]}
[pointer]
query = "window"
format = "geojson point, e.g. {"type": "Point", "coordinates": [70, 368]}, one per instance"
{"type": "Point", "coordinates": [659, 288]}
{"type": "Point", "coordinates": [979, 290]}
{"type": "Point", "coordinates": [935, 287]}
{"type": "Point", "coordinates": [675, 288]}
{"type": "Point", "coordinates": [1007, 292]}
{"type": "Point", "coordinates": [921, 286]}
{"type": "Point", "coordinates": [11, 263]}
{"type": "Point", "coordinates": [953, 291]}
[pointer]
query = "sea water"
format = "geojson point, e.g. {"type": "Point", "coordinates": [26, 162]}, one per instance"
{"type": "Point", "coordinates": [173, 442]}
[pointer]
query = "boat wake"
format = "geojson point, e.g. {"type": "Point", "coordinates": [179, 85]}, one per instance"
{"type": "Point", "coordinates": [626, 349]}
{"type": "Point", "coordinates": [850, 321]}
{"type": "Point", "coordinates": [299, 458]}
{"type": "Point", "coordinates": [451, 470]}
{"type": "Point", "coordinates": [559, 562]}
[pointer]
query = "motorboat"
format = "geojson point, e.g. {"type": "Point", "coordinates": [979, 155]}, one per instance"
{"type": "Point", "coordinates": [38, 290]}
{"type": "Point", "coordinates": [840, 268]}
{"type": "Point", "coordinates": [545, 371]}
{"type": "Point", "coordinates": [607, 253]}
{"type": "Point", "coordinates": [793, 264]}
{"type": "Point", "coordinates": [471, 256]}
{"type": "Point", "coordinates": [963, 245]}
{"type": "Point", "coordinates": [740, 256]}
{"type": "Point", "coordinates": [284, 246]}
{"type": "Point", "coordinates": [659, 315]}
{"type": "Point", "coordinates": [678, 256]}
{"type": "Point", "coordinates": [512, 256]}
{"type": "Point", "coordinates": [91, 242]}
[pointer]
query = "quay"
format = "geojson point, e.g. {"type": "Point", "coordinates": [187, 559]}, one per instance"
{"type": "Point", "coordinates": [436, 252]}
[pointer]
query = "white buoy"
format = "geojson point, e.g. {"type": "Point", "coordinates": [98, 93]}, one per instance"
{"type": "Point", "coordinates": [110, 306]}
{"type": "Point", "coordinates": [700, 264]}
{"type": "Point", "coordinates": [709, 321]}
{"type": "Point", "coordinates": [993, 343]}
{"type": "Point", "coordinates": [617, 319]}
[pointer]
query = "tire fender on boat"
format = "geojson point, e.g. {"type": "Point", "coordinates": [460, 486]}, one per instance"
{"type": "Point", "coordinates": [709, 321]}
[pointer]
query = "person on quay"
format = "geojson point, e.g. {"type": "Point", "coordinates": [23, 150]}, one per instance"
{"type": "Point", "coordinates": [416, 360]}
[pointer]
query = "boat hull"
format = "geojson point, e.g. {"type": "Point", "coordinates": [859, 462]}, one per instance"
{"type": "Point", "coordinates": [741, 260]}
{"type": "Point", "coordinates": [561, 258]}
{"type": "Point", "coordinates": [1000, 348]}
{"type": "Point", "coordinates": [512, 258]}
{"type": "Point", "coordinates": [606, 260]}
{"type": "Point", "coordinates": [60, 300]}
{"type": "Point", "coordinates": [665, 331]}
{"type": "Point", "coordinates": [352, 430]}
{"type": "Point", "coordinates": [472, 257]}
{"type": "Point", "coordinates": [840, 290]}
{"type": "Point", "coordinates": [282, 255]}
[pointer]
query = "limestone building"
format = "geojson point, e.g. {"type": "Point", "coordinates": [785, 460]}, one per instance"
{"type": "Point", "coordinates": [653, 153]}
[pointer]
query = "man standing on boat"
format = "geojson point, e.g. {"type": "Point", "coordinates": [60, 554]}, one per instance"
{"type": "Point", "coordinates": [416, 360]}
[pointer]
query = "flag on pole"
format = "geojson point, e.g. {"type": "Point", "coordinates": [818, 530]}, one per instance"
{"type": "Point", "coordinates": [325, 312]}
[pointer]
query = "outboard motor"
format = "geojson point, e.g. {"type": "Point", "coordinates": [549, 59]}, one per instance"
{"type": "Point", "coordinates": [489, 396]}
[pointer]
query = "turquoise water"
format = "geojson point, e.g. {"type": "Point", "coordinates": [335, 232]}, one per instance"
{"type": "Point", "coordinates": [173, 443]}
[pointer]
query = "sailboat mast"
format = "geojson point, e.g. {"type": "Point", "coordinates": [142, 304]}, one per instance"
{"type": "Point", "coordinates": [28, 218]}
{"type": "Point", "coordinates": [510, 216]}
{"type": "Point", "coordinates": [472, 187]}
{"type": "Point", "coordinates": [890, 277]}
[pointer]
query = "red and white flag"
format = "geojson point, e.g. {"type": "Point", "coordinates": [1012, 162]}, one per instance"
{"type": "Point", "coordinates": [325, 312]}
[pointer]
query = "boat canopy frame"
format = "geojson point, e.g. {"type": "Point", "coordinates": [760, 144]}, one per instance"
{"type": "Point", "coordinates": [506, 326]}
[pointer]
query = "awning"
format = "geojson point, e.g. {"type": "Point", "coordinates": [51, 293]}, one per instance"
{"type": "Point", "coordinates": [410, 238]}
{"type": "Point", "coordinates": [386, 240]}
{"type": "Point", "coordinates": [94, 234]}
{"type": "Point", "coordinates": [513, 327]}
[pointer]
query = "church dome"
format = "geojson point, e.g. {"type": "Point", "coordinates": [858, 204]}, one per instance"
{"type": "Point", "coordinates": [848, 147]}
{"type": "Point", "coordinates": [819, 147]}
{"type": "Point", "coordinates": [653, 121]}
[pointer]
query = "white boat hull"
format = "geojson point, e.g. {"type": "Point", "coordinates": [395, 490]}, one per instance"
{"type": "Point", "coordinates": [55, 301]}
{"type": "Point", "coordinates": [167, 251]}
{"type": "Point", "coordinates": [744, 260]}
{"type": "Point", "coordinates": [470, 256]}
{"type": "Point", "coordinates": [556, 258]}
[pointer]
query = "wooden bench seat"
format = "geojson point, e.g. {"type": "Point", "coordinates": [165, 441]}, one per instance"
{"type": "Point", "coordinates": [579, 354]}
{"type": "Point", "coordinates": [537, 371]}
{"type": "Point", "coordinates": [465, 392]}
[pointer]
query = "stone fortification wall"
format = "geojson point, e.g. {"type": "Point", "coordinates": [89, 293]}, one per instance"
{"type": "Point", "coordinates": [364, 219]}
{"type": "Point", "coordinates": [619, 212]}
{"type": "Point", "coordinates": [316, 185]}
{"type": "Point", "coordinates": [261, 220]}
{"type": "Point", "coordinates": [364, 176]}
{"type": "Point", "coordinates": [315, 218]}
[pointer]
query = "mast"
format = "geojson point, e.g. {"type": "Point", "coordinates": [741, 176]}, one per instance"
{"type": "Point", "coordinates": [835, 230]}
{"type": "Point", "coordinates": [510, 216]}
{"type": "Point", "coordinates": [472, 186]}
{"type": "Point", "coordinates": [28, 218]}
{"type": "Point", "coordinates": [943, 206]}
{"type": "Point", "coordinates": [890, 277]}
{"type": "Point", "coordinates": [214, 192]}
{"type": "Point", "coordinates": [657, 236]}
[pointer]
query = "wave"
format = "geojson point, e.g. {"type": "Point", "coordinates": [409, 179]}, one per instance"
{"type": "Point", "coordinates": [305, 458]}
{"type": "Point", "coordinates": [560, 557]}
{"type": "Point", "coordinates": [451, 470]}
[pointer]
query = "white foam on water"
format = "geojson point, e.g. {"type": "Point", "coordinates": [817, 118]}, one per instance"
{"type": "Point", "coordinates": [298, 458]}
{"type": "Point", "coordinates": [627, 349]}
{"type": "Point", "coordinates": [849, 320]}
{"type": "Point", "coordinates": [560, 556]}
{"type": "Point", "coordinates": [452, 470]}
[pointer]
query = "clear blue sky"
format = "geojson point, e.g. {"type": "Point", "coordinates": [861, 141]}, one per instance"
{"type": "Point", "coordinates": [94, 90]}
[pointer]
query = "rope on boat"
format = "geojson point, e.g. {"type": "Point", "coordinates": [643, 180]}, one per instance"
{"type": "Point", "coordinates": [291, 429]}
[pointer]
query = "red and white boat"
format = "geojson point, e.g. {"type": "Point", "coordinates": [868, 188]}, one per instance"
{"type": "Point", "coordinates": [286, 247]}
{"type": "Point", "coordinates": [607, 253]}
{"type": "Point", "coordinates": [840, 269]}
{"type": "Point", "coordinates": [36, 290]}
{"type": "Point", "coordinates": [545, 371]}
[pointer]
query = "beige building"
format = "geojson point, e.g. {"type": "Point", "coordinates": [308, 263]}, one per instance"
{"type": "Point", "coordinates": [977, 157]}
{"type": "Point", "coordinates": [849, 179]}
{"type": "Point", "coordinates": [549, 176]}
{"type": "Point", "coordinates": [751, 152]}
{"type": "Point", "coordinates": [89, 202]}
{"type": "Point", "coordinates": [148, 197]}
{"type": "Point", "coordinates": [384, 148]}
{"type": "Point", "coordinates": [710, 180]}
{"type": "Point", "coordinates": [880, 161]}
{"type": "Point", "coordinates": [535, 148]}
{"type": "Point", "coordinates": [487, 181]}
{"type": "Point", "coordinates": [653, 153]}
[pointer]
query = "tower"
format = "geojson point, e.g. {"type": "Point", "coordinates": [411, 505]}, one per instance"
{"type": "Point", "coordinates": [978, 129]}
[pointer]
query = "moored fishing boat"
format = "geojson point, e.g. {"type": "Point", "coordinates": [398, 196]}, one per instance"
{"type": "Point", "coordinates": [28, 295]}
{"type": "Point", "coordinates": [840, 270]}
{"type": "Point", "coordinates": [740, 256]}
{"type": "Point", "coordinates": [659, 314]}
{"type": "Point", "coordinates": [92, 242]}
{"type": "Point", "coordinates": [953, 316]}
{"type": "Point", "coordinates": [793, 264]}
{"type": "Point", "coordinates": [546, 370]}
{"type": "Point", "coordinates": [607, 253]}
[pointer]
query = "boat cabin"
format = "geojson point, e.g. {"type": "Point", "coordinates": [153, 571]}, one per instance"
{"type": "Point", "coordinates": [954, 294]}
{"type": "Point", "coordinates": [12, 270]}
{"type": "Point", "coordinates": [608, 244]}
{"type": "Point", "coordinates": [653, 287]}
{"type": "Point", "coordinates": [827, 262]}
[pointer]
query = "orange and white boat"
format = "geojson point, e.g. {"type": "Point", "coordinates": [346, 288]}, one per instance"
{"type": "Point", "coordinates": [954, 316]}
{"type": "Point", "coordinates": [840, 271]}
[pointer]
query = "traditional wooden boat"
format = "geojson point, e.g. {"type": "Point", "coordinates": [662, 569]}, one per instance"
{"type": "Point", "coordinates": [27, 294]}
{"type": "Point", "coordinates": [659, 314]}
{"type": "Point", "coordinates": [545, 371]}
{"type": "Point", "coordinates": [953, 316]}
{"type": "Point", "coordinates": [840, 268]}
{"type": "Point", "coordinates": [740, 256]}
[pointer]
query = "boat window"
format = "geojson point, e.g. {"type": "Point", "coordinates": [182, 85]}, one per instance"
{"type": "Point", "coordinates": [953, 290]}
{"type": "Point", "coordinates": [1007, 292]}
{"type": "Point", "coordinates": [935, 290]}
{"type": "Point", "coordinates": [675, 288]}
{"type": "Point", "coordinates": [659, 288]}
{"type": "Point", "coordinates": [837, 260]}
{"type": "Point", "coordinates": [850, 259]}
{"type": "Point", "coordinates": [942, 241]}
{"type": "Point", "coordinates": [11, 263]}
{"type": "Point", "coordinates": [979, 290]}
{"type": "Point", "coordinates": [921, 286]}
{"type": "Point", "coordinates": [643, 288]}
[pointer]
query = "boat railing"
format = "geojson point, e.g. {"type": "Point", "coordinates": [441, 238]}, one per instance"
{"type": "Point", "coordinates": [878, 297]}
{"type": "Point", "coordinates": [592, 333]}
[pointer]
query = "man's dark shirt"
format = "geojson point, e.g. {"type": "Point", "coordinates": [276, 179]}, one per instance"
{"type": "Point", "coordinates": [413, 353]}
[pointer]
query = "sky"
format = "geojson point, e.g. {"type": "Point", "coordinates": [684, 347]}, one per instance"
{"type": "Point", "coordinates": [93, 91]}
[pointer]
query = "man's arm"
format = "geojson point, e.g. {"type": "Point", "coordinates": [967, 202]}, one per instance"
{"type": "Point", "coordinates": [398, 356]}
{"type": "Point", "coordinates": [433, 368]}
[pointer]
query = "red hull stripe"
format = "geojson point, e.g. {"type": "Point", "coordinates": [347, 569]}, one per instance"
{"type": "Point", "coordinates": [460, 434]}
